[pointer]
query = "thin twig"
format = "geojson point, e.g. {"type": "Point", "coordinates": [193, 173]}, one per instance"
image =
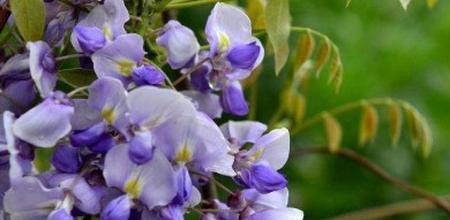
{"type": "Point", "coordinates": [317, 118]}
{"type": "Point", "coordinates": [77, 90]}
{"type": "Point", "coordinates": [386, 211]}
{"type": "Point", "coordinates": [378, 171]}
{"type": "Point", "coordinates": [191, 70]}
{"type": "Point", "coordinates": [70, 56]}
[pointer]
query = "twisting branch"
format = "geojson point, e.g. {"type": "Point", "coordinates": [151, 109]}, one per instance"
{"type": "Point", "coordinates": [378, 171]}
{"type": "Point", "coordinates": [382, 212]}
{"type": "Point", "coordinates": [191, 70]}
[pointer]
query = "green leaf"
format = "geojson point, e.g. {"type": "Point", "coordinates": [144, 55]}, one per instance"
{"type": "Point", "coordinates": [30, 18]}
{"type": "Point", "coordinates": [256, 12]}
{"type": "Point", "coordinates": [405, 3]}
{"type": "Point", "coordinates": [333, 131]}
{"type": "Point", "coordinates": [431, 3]}
{"type": "Point", "coordinates": [77, 77]}
{"type": "Point", "coordinates": [278, 24]}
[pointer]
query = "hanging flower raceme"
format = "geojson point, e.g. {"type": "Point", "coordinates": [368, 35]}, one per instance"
{"type": "Point", "coordinates": [129, 145]}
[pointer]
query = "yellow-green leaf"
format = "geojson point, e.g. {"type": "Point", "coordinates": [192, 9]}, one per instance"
{"type": "Point", "coordinates": [278, 24]}
{"type": "Point", "coordinates": [256, 13]}
{"type": "Point", "coordinates": [368, 125]}
{"type": "Point", "coordinates": [323, 56]}
{"type": "Point", "coordinates": [348, 3]}
{"type": "Point", "coordinates": [427, 138]}
{"type": "Point", "coordinates": [305, 48]}
{"type": "Point", "coordinates": [300, 108]}
{"type": "Point", "coordinates": [414, 124]}
{"type": "Point", "coordinates": [395, 119]}
{"type": "Point", "coordinates": [405, 3]}
{"type": "Point", "coordinates": [336, 70]}
{"type": "Point", "coordinates": [431, 3]}
{"type": "Point", "coordinates": [30, 18]}
{"type": "Point", "coordinates": [333, 131]}
{"type": "Point", "coordinates": [77, 77]}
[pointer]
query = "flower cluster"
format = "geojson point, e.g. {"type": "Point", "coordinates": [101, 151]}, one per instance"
{"type": "Point", "coordinates": [134, 147]}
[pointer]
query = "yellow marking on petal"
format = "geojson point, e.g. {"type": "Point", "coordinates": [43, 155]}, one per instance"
{"type": "Point", "coordinates": [224, 41]}
{"type": "Point", "coordinates": [184, 155]}
{"type": "Point", "coordinates": [108, 33]}
{"type": "Point", "coordinates": [109, 114]}
{"type": "Point", "coordinates": [133, 188]}
{"type": "Point", "coordinates": [258, 154]}
{"type": "Point", "coordinates": [126, 67]}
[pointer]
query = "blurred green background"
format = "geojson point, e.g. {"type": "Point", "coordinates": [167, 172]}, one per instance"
{"type": "Point", "coordinates": [386, 52]}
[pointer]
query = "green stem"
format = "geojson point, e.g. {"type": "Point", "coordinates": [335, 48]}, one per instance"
{"type": "Point", "coordinates": [253, 101]}
{"type": "Point", "coordinates": [193, 69]}
{"type": "Point", "coordinates": [70, 56]}
{"type": "Point", "coordinates": [379, 172]}
{"type": "Point", "coordinates": [317, 118]}
{"type": "Point", "coordinates": [191, 4]}
{"type": "Point", "coordinates": [390, 210]}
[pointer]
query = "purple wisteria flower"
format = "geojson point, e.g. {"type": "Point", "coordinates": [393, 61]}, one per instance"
{"type": "Point", "coordinates": [47, 122]}
{"type": "Point", "coordinates": [129, 145]}
{"type": "Point", "coordinates": [42, 67]}
{"type": "Point", "coordinates": [119, 58]}
{"type": "Point", "coordinates": [181, 44]}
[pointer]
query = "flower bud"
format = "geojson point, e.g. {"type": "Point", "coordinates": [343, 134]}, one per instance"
{"type": "Point", "coordinates": [104, 143]}
{"type": "Point", "coordinates": [87, 136]}
{"type": "Point", "coordinates": [172, 212]}
{"type": "Point", "coordinates": [233, 100]}
{"type": "Point", "coordinates": [141, 148]}
{"type": "Point", "coordinates": [244, 56]}
{"type": "Point", "coordinates": [66, 159]}
{"type": "Point", "coordinates": [184, 184]}
{"type": "Point", "coordinates": [180, 43]}
{"type": "Point", "coordinates": [199, 78]}
{"type": "Point", "coordinates": [60, 214]}
{"type": "Point", "coordinates": [117, 209]}
{"type": "Point", "coordinates": [89, 39]}
{"type": "Point", "coordinates": [147, 75]}
{"type": "Point", "coordinates": [263, 178]}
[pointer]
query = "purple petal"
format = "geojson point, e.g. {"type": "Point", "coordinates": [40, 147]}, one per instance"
{"type": "Point", "coordinates": [196, 140]}
{"type": "Point", "coordinates": [180, 43]}
{"type": "Point", "coordinates": [85, 115]}
{"type": "Point", "coordinates": [119, 58]}
{"type": "Point", "coordinates": [42, 67]}
{"type": "Point", "coordinates": [89, 39]}
{"type": "Point", "coordinates": [263, 178]}
{"type": "Point", "coordinates": [244, 56]}
{"type": "Point", "coordinates": [284, 213]}
{"type": "Point", "coordinates": [108, 96]}
{"type": "Point", "coordinates": [109, 17]}
{"type": "Point", "coordinates": [39, 201]}
{"type": "Point", "coordinates": [46, 123]}
{"type": "Point", "coordinates": [273, 200]}
{"type": "Point", "coordinates": [199, 78]}
{"type": "Point", "coordinates": [150, 106]}
{"type": "Point", "coordinates": [273, 148]}
{"type": "Point", "coordinates": [227, 25]}
{"type": "Point", "coordinates": [147, 75]}
{"type": "Point", "coordinates": [233, 100]}
{"type": "Point", "coordinates": [104, 143]}
{"type": "Point", "coordinates": [153, 182]}
{"type": "Point", "coordinates": [88, 136]}
{"type": "Point", "coordinates": [141, 148]}
{"type": "Point", "coordinates": [60, 214]}
{"type": "Point", "coordinates": [17, 96]}
{"type": "Point", "coordinates": [184, 185]}
{"type": "Point", "coordinates": [242, 132]}
{"type": "Point", "coordinates": [66, 159]}
{"type": "Point", "coordinates": [117, 209]}
{"type": "Point", "coordinates": [207, 103]}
